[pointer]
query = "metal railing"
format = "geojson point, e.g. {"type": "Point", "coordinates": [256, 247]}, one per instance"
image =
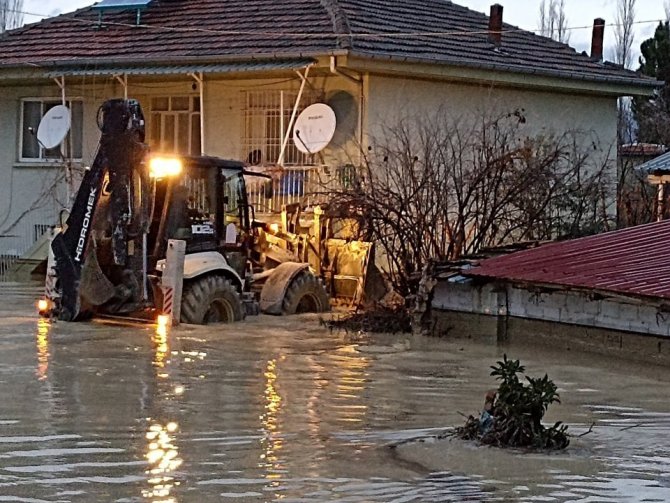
{"type": "Point", "coordinates": [292, 184]}
{"type": "Point", "coordinates": [18, 245]}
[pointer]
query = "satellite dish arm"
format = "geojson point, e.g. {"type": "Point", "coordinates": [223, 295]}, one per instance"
{"type": "Point", "coordinates": [291, 121]}
{"type": "Point", "coordinates": [297, 135]}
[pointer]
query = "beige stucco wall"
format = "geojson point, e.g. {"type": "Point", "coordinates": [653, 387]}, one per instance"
{"type": "Point", "coordinates": [224, 118]}
{"type": "Point", "coordinates": [393, 98]}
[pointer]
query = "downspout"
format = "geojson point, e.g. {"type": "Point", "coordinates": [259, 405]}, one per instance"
{"type": "Point", "coordinates": [361, 100]}
{"type": "Point", "coordinates": [281, 114]}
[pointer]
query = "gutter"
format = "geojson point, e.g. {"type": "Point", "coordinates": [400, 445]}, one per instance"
{"type": "Point", "coordinates": [511, 69]}
{"type": "Point", "coordinates": [641, 82]}
{"type": "Point", "coordinates": [55, 64]}
{"type": "Point", "coordinates": [460, 62]}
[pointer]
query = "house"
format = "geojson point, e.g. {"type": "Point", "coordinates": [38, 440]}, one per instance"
{"type": "Point", "coordinates": [227, 78]}
{"type": "Point", "coordinates": [604, 293]}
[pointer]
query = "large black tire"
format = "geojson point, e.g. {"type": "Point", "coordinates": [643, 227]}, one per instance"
{"type": "Point", "coordinates": [305, 294]}
{"type": "Point", "coordinates": [211, 299]}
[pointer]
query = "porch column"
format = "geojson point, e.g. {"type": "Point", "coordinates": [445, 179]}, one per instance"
{"type": "Point", "coordinates": [200, 80]}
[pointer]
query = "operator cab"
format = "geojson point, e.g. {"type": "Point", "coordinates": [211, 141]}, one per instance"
{"type": "Point", "coordinates": [203, 202]}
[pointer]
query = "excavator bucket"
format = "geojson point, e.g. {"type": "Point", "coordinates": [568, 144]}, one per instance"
{"type": "Point", "coordinates": [350, 265]}
{"type": "Point", "coordinates": [96, 288]}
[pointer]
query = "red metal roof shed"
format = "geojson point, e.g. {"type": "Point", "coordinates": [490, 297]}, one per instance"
{"type": "Point", "coordinates": [629, 261]}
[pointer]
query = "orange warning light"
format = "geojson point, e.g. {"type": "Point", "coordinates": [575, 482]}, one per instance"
{"type": "Point", "coordinates": [43, 306]}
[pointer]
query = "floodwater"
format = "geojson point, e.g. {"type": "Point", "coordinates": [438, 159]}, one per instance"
{"type": "Point", "coordinates": [280, 409]}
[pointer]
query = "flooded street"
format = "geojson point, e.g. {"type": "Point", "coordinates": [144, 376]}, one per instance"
{"type": "Point", "coordinates": [281, 409]}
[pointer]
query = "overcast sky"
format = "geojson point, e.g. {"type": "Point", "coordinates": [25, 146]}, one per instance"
{"type": "Point", "coordinates": [522, 13]}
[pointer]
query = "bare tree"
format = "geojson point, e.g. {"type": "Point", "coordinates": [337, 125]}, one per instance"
{"type": "Point", "coordinates": [624, 33]}
{"type": "Point", "coordinates": [667, 10]}
{"type": "Point", "coordinates": [11, 14]}
{"type": "Point", "coordinates": [636, 198]}
{"type": "Point", "coordinates": [444, 187]}
{"type": "Point", "coordinates": [553, 21]}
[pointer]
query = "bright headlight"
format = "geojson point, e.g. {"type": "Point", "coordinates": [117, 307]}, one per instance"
{"type": "Point", "coordinates": [163, 167]}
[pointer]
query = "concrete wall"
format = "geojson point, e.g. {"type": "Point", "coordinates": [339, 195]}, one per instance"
{"type": "Point", "coordinates": [560, 317]}
{"type": "Point", "coordinates": [556, 336]}
{"type": "Point", "coordinates": [560, 306]}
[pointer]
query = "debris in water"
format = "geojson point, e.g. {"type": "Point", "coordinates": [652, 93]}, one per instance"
{"type": "Point", "coordinates": [512, 415]}
{"type": "Point", "coordinates": [379, 319]}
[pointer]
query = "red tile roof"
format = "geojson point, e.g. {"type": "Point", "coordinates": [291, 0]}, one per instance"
{"type": "Point", "coordinates": [435, 31]}
{"type": "Point", "coordinates": [642, 149]}
{"type": "Point", "coordinates": [173, 30]}
{"type": "Point", "coordinates": [630, 261]}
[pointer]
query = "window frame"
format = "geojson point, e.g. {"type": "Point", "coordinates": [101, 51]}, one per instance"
{"type": "Point", "coordinates": [192, 116]}
{"type": "Point", "coordinates": [68, 141]}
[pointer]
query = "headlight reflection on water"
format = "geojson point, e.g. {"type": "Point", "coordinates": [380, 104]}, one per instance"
{"type": "Point", "coordinates": [42, 342]}
{"type": "Point", "coordinates": [163, 458]}
{"type": "Point", "coordinates": [162, 452]}
{"type": "Point", "coordinates": [272, 441]}
{"type": "Point", "coordinates": [161, 346]}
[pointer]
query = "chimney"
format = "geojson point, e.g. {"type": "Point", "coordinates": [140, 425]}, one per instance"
{"type": "Point", "coordinates": [496, 24]}
{"type": "Point", "coordinates": [597, 39]}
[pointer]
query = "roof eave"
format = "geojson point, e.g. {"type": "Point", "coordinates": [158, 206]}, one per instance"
{"type": "Point", "coordinates": [41, 69]}
{"type": "Point", "coordinates": [512, 75]}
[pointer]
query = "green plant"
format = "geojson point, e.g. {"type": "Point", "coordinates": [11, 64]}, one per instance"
{"type": "Point", "coordinates": [515, 418]}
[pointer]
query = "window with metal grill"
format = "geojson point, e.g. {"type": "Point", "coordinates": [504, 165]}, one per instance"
{"type": "Point", "coordinates": [267, 115]}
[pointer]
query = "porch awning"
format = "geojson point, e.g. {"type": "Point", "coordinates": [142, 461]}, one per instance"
{"type": "Point", "coordinates": [658, 166]}
{"type": "Point", "coordinates": [137, 69]}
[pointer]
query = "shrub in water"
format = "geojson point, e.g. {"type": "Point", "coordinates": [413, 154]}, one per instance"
{"type": "Point", "coordinates": [512, 416]}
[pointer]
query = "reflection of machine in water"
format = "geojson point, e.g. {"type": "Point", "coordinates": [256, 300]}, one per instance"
{"type": "Point", "coordinates": [272, 440]}
{"type": "Point", "coordinates": [42, 341]}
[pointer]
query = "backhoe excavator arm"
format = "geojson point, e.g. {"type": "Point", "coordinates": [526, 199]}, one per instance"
{"type": "Point", "coordinates": [120, 151]}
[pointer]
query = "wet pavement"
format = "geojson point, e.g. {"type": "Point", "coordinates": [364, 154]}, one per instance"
{"type": "Point", "coordinates": [281, 409]}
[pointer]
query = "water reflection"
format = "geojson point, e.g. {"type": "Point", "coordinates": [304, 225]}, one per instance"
{"type": "Point", "coordinates": [42, 341]}
{"type": "Point", "coordinates": [161, 347]}
{"type": "Point", "coordinates": [162, 450]}
{"type": "Point", "coordinates": [163, 458]}
{"type": "Point", "coordinates": [352, 372]}
{"type": "Point", "coordinates": [297, 414]}
{"type": "Point", "coordinates": [272, 440]}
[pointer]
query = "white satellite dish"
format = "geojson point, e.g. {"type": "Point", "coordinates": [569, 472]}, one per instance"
{"type": "Point", "coordinates": [314, 128]}
{"type": "Point", "coordinates": [54, 126]}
